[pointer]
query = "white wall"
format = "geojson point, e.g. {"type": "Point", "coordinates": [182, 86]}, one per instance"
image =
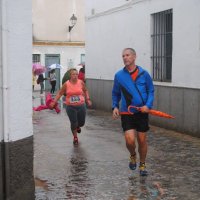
{"type": "Point", "coordinates": [186, 44]}
{"type": "Point", "coordinates": [109, 32]}
{"type": "Point", "coordinates": [96, 6]}
{"type": "Point", "coordinates": [108, 35]}
{"type": "Point", "coordinates": [17, 76]}
{"type": "Point", "coordinates": [51, 20]}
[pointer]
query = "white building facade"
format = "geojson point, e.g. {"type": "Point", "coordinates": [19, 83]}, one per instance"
{"type": "Point", "coordinates": [16, 130]}
{"type": "Point", "coordinates": [166, 37]}
{"type": "Point", "coordinates": [53, 42]}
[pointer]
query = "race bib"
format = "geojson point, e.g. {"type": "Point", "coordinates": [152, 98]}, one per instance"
{"type": "Point", "coordinates": [74, 99]}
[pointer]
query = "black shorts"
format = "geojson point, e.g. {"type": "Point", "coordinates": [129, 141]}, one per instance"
{"type": "Point", "coordinates": [138, 121]}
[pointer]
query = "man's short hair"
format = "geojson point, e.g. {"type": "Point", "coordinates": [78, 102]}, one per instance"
{"type": "Point", "coordinates": [131, 49]}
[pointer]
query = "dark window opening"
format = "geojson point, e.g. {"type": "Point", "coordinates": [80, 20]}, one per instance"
{"type": "Point", "coordinates": [162, 46]}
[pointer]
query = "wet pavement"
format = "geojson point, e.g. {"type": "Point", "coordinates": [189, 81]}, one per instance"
{"type": "Point", "coordinates": [98, 167]}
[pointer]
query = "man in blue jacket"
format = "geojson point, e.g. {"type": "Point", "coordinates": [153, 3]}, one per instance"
{"type": "Point", "coordinates": [133, 86]}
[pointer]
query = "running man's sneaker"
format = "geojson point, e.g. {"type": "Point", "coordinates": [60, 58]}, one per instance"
{"type": "Point", "coordinates": [132, 163]}
{"type": "Point", "coordinates": [78, 130]}
{"type": "Point", "coordinates": [75, 142]}
{"type": "Point", "coordinates": [143, 171]}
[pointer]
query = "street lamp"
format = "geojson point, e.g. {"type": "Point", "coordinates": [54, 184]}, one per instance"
{"type": "Point", "coordinates": [73, 20]}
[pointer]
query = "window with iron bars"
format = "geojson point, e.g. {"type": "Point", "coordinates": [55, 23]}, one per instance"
{"type": "Point", "coordinates": [36, 58]}
{"type": "Point", "coordinates": [161, 38]}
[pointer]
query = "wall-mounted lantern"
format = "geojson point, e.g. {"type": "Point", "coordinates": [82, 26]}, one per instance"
{"type": "Point", "coordinates": [73, 20]}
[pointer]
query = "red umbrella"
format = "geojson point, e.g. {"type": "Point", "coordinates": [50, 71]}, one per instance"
{"type": "Point", "coordinates": [153, 112]}
{"type": "Point", "coordinates": [38, 68]}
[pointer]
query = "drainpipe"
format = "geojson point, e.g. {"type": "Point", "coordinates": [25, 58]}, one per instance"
{"type": "Point", "coordinates": [5, 73]}
{"type": "Point", "coordinates": [5, 103]}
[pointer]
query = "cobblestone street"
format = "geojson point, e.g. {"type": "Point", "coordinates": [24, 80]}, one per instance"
{"type": "Point", "coordinates": [98, 167]}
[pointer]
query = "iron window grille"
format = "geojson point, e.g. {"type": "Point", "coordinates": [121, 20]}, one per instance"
{"type": "Point", "coordinates": [161, 37]}
{"type": "Point", "coordinates": [36, 58]}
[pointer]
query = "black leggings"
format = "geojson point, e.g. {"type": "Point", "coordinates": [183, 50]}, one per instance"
{"type": "Point", "coordinates": [53, 86]}
{"type": "Point", "coordinates": [76, 116]}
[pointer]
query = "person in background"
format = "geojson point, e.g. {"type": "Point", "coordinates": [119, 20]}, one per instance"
{"type": "Point", "coordinates": [81, 74]}
{"type": "Point", "coordinates": [40, 81]}
{"type": "Point", "coordinates": [33, 81]}
{"type": "Point", "coordinates": [133, 86]}
{"type": "Point", "coordinates": [77, 96]}
{"type": "Point", "coordinates": [66, 76]}
{"type": "Point", "coordinates": [52, 79]}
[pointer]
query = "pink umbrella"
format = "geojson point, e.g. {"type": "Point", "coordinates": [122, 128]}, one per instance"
{"type": "Point", "coordinates": [38, 68]}
{"type": "Point", "coordinates": [48, 101]}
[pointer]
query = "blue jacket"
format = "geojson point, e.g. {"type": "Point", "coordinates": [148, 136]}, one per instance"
{"type": "Point", "coordinates": [137, 93]}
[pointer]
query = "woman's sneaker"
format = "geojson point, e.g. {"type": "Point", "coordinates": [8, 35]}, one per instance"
{"type": "Point", "coordinates": [75, 142]}
{"type": "Point", "coordinates": [132, 163]}
{"type": "Point", "coordinates": [143, 171]}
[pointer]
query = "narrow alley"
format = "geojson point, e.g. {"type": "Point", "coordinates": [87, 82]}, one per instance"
{"type": "Point", "coordinates": [98, 167]}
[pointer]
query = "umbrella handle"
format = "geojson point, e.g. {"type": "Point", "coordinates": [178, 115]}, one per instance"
{"type": "Point", "coordinates": [137, 108]}
{"type": "Point", "coordinates": [129, 110]}
{"type": "Point", "coordinates": [127, 113]}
